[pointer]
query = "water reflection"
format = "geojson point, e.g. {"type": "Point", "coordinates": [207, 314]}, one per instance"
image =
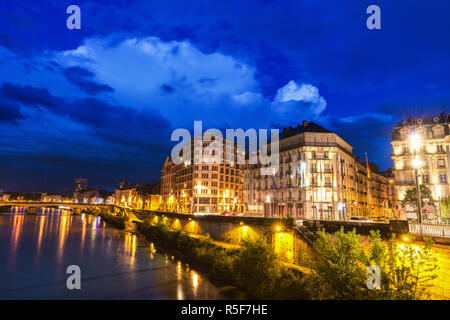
{"type": "Point", "coordinates": [41, 232]}
{"type": "Point", "coordinates": [115, 264]}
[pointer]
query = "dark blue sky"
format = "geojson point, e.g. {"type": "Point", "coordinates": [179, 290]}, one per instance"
{"type": "Point", "coordinates": [102, 102]}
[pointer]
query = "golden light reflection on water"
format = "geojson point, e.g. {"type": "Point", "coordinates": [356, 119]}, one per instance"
{"type": "Point", "coordinates": [83, 232]}
{"type": "Point", "coordinates": [180, 293]}
{"type": "Point", "coordinates": [64, 225]}
{"type": "Point", "coordinates": [15, 235]}
{"type": "Point", "coordinates": [54, 236]}
{"type": "Point", "coordinates": [195, 282]}
{"type": "Point", "coordinates": [152, 251]}
{"type": "Point", "coordinates": [179, 271]}
{"type": "Point", "coordinates": [41, 232]}
{"type": "Point", "coordinates": [130, 247]}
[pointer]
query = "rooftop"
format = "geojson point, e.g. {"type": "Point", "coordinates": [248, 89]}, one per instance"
{"type": "Point", "coordinates": [304, 127]}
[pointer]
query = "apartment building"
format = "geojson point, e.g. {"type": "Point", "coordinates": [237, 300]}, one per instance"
{"type": "Point", "coordinates": [206, 187]}
{"type": "Point", "coordinates": [319, 177]}
{"type": "Point", "coordinates": [421, 146]}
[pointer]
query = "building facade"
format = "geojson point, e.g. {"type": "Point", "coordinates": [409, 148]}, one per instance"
{"type": "Point", "coordinates": [319, 177]}
{"type": "Point", "coordinates": [424, 145]}
{"type": "Point", "coordinates": [206, 187]}
{"type": "Point", "coordinates": [131, 197]}
{"type": "Point", "coordinates": [80, 184]}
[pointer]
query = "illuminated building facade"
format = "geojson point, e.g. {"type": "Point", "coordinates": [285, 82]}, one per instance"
{"type": "Point", "coordinates": [205, 187]}
{"type": "Point", "coordinates": [422, 144]}
{"type": "Point", "coordinates": [131, 197]}
{"type": "Point", "coordinates": [80, 184]}
{"type": "Point", "coordinates": [319, 178]}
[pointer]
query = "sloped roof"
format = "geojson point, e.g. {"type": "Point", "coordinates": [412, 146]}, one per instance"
{"type": "Point", "coordinates": [305, 127]}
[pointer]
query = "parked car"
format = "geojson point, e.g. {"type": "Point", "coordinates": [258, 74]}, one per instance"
{"type": "Point", "coordinates": [360, 219]}
{"type": "Point", "coordinates": [380, 219]}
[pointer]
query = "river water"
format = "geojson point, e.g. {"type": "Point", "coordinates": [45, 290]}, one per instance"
{"type": "Point", "coordinates": [35, 251]}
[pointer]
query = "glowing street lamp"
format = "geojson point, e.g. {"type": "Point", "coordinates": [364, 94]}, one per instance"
{"type": "Point", "coordinates": [416, 142]}
{"type": "Point", "coordinates": [439, 194]}
{"type": "Point", "coordinates": [417, 163]}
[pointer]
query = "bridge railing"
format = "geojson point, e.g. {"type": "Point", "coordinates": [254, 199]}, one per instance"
{"type": "Point", "coordinates": [437, 230]}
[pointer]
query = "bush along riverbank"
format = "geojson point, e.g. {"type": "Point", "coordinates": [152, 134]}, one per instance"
{"type": "Point", "coordinates": [253, 268]}
{"type": "Point", "coordinates": [117, 222]}
{"type": "Point", "coordinates": [338, 268]}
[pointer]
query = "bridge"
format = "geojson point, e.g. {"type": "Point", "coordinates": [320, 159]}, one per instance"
{"type": "Point", "coordinates": [33, 206]}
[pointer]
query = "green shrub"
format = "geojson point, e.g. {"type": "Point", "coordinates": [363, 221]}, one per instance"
{"type": "Point", "coordinates": [117, 222]}
{"type": "Point", "coordinates": [339, 270]}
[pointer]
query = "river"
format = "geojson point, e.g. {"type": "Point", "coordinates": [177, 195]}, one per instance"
{"type": "Point", "coordinates": [35, 251]}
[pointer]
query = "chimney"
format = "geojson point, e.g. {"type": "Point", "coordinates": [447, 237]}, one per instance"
{"type": "Point", "coordinates": [304, 123]}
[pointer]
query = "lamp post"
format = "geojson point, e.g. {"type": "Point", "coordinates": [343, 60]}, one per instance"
{"type": "Point", "coordinates": [417, 165]}
{"type": "Point", "coordinates": [416, 144]}
{"type": "Point", "coordinates": [440, 199]}
{"type": "Point", "coordinates": [268, 201]}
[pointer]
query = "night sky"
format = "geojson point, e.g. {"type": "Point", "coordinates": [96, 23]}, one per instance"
{"type": "Point", "coordinates": [102, 102]}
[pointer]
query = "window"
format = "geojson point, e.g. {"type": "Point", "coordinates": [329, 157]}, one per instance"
{"type": "Point", "coordinates": [439, 148]}
{"type": "Point", "coordinates": [443, 178]}
{"type": "Point", "coordinates": [425, 178]}
{"type": "Point", "coordinates": [441, 163]}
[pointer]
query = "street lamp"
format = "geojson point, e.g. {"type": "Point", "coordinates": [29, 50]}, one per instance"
{"type": "Point", "coordinates": [438, 191]}
{"type": "Point", "coordinates": [417, 164]}
{"type": "Point", "coordinates": [415, 141]}
{"type": "Point", "coordinates": [268, 204]}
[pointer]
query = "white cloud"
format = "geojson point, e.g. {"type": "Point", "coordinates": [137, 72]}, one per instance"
{"type": "Point", "coordinates": [294, 102]}
{"type": "Point", "coordinates": [302, 93]}
{"type": "Point", "coordinates": [182, 82]}
{"type": "Point", "coordinates": [179, 81]}
{"type": "Point", "coordinates": [248, 98]}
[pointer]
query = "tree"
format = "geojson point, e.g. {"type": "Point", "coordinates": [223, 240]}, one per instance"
{"type": "Point", "coordinates": [411, 196]}
{"type": "Point", "coordinates": [445, 207]}
{"type": "Point", "coordinates": [339, 270]}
